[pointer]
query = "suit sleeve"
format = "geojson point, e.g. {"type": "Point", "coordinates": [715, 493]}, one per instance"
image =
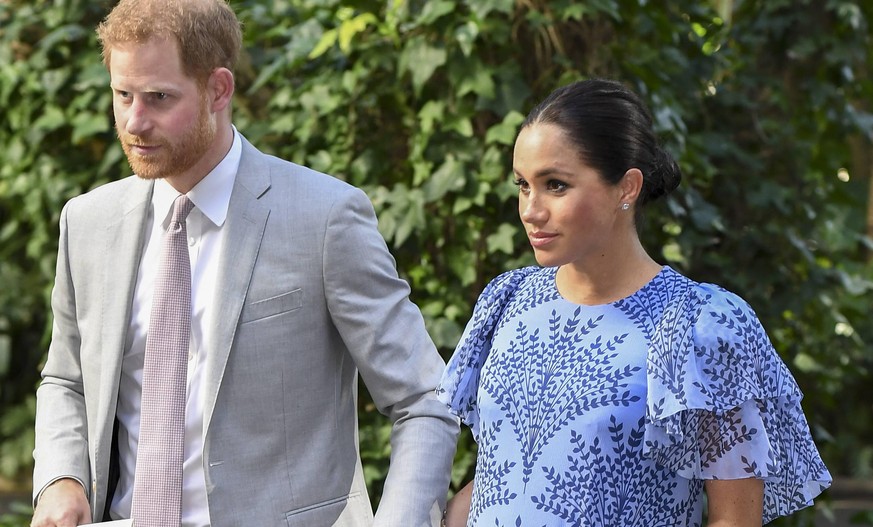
{"type": "Point", "coordinates": [385, 334]}
{"type": "Point", "coordinates": [61, 448]}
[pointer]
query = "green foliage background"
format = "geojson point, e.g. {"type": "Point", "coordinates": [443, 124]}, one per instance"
{"type": "Point", "coordinates": [418, 102]}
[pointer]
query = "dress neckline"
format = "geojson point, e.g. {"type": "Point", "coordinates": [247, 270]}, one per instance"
{"type": "Point", "coordinates": [551, 280]}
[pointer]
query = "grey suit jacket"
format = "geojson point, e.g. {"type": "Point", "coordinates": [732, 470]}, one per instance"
{"type": "Point", "coordinates": [308, 298]}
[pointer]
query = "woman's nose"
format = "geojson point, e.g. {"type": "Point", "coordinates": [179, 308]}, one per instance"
{"type": "Point", "coordinates": [531, 209]}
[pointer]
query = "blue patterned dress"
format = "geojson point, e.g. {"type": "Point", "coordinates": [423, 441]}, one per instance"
{"type": "Point", "coordinates": [615, 414]}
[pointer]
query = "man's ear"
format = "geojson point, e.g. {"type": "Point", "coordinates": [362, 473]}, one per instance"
{"type": "Point", "coordinates": [631, 185]}
{"type": "Point", "coordinates": [220, 88]}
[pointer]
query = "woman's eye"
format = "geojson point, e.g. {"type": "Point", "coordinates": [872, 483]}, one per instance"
{"type": "Point", "coordinates": [521, 184]}
{"type": "Point", "coordinates": [556, 186]}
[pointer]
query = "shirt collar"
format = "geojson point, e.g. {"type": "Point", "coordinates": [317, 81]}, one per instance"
{"type": "Point", "coordinates": [211, 195]}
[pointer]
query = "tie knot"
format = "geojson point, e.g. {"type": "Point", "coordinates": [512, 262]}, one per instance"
{"type": "Point", "coordinates": [181, 208]}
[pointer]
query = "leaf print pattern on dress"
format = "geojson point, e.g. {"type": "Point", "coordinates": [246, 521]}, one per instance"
{"type": "Point", "coordinates": [636, 495]}
{"type": "Point", "coordinates": [546, 383]}
{"type": "Point", "coordinates": [490, 474]}
{"type": "Point", "coordinates": [616, 414]}
{"type": "Point", "coordinates": [723, 405]}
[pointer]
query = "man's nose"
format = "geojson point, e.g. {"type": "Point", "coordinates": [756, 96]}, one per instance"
{"type": "Point", "coordinates": [138, 120]}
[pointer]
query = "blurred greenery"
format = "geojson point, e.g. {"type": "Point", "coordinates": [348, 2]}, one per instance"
{"type": "Point", "coordinates": [766, 105]}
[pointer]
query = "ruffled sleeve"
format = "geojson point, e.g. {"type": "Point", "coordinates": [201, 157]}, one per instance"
{"type": "Point", "coordinates": [460, 381]}
{"type": "Point", "coordinates": [723, 405]}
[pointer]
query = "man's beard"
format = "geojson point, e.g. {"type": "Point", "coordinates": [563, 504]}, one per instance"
{"type": "Point", "coordinates": [172, 158]}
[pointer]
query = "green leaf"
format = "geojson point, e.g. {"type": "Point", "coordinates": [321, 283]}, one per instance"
{"type": "Point", "coordinates": [479, 81]}
{"type": "Point", "coordinates": [434, 10]}
{"type": "Point", "coordinates": [449, 176]}
{"type": "Point", "coordinates": [320, 100]}
{"type": "Point", "coordinates": [349, 28]}
{"type": "Point", "coordinates": [482, 8]}
{"type": "Point", "coordinates": [461, 125]}
{"type": "Point", "coordinates": [305, 41]}
{"type": "Point", "coordinates": [503, 240]}
{"type": "Point", "coordinates": [51, 119]}
{"type": "Point", "coordinates": [86, 125]}
{"type": "Point", "coordinates": [505, 131]}
{"type": "Point", "coordinates": [511, 90]}
{"type": "Point", "coordinates": [444, 332]}
{"type": "Point", "coordinates": [411, 218]}
{"type": "Point", "coordinates": [431, 112]}
{"type": "Point", "coordinates": [463, 266]}
{"type": "Point", "coordinates": [465, 35]}
{"type": "Point", "coordinates": [327, 41]}
{"type": "Point", "coordinates": [421, 59]}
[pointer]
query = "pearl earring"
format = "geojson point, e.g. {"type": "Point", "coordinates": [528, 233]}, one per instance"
{"type": "Point", "coordinates": [625, 206]}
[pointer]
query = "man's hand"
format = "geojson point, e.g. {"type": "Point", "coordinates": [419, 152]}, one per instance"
{"type": "Point", "coordinates": [62, 504]}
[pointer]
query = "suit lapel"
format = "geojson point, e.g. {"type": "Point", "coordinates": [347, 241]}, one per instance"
{"type": "Point", "coordinates": [245, 224]}
{"type": "Point", "coordinates": [122, 245]}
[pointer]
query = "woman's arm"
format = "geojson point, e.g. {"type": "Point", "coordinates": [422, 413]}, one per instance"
{"type": "Point", "coordinates": [458, 508]}
{"type": "Point", "coordinates": [735, 502]}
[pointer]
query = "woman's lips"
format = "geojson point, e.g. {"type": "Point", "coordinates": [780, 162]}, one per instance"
{"type": "Point", "coordinates": [540, 239]}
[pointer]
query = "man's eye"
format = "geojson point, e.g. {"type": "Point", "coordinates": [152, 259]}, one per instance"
{"type": "Point", "coordinates": [161, 96]}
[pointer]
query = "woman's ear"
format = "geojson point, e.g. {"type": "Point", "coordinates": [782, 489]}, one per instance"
{"type": "Point", "coordinates": [631, 185]}
{"type": "Point", "coordinates": [220, 88]}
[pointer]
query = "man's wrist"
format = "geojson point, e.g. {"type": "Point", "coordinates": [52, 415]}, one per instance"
{"type": "Point", "coordinates": [57, 480]}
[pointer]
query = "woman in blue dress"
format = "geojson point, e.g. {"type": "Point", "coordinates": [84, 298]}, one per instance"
{"type": "Point", "coordinates": [602, 388]}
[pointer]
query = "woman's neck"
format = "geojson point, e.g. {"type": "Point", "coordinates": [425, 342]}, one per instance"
{"type": "Point", "coordinates": [608, 278]}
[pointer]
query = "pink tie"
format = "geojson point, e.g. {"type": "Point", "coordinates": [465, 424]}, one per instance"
{"type": "Point", "coordinates": [157, 489]}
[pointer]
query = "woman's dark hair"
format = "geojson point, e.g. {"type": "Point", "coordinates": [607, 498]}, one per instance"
{"type": "Point", "coordinates": [612, 131]}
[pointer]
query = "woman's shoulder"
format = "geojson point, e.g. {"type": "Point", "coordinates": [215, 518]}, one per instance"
{"type": "Point", "coordinates": [709, 349]}
{"type": "Point", "coordinates": [506, 284]}
{"type": "Point", "coordinates": [717, 296]}
{"type": "Point", "coordinates": [721, 315]}
{"type": "Point", "coordinates": [514, 276]}
{"type": "Point", "coordinates": [696, 300]}
{"type": "Point", "coordinates": [722, 404]}
{"type": "Point", "coordinates": [460, 382]}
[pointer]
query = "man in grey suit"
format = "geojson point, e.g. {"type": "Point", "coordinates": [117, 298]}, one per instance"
{"type": "Point", "coordinates": [293, 293]}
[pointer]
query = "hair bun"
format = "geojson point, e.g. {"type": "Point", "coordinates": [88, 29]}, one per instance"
{"type": "Point", "coordinates": [665, 175]}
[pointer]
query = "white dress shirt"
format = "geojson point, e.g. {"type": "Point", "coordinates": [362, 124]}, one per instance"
{"type": "Point", "coordinates": [211, 197]}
